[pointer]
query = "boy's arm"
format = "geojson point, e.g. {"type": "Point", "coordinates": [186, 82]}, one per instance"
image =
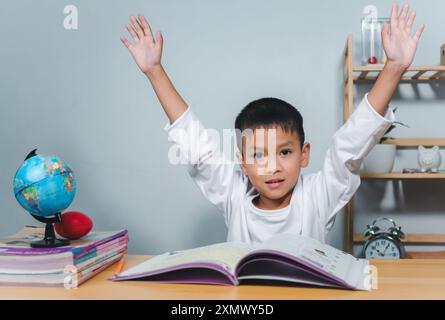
{"type": "Point", "coordinates": [147, 53]}
{"type": "Point", "coordinates": [339, 179]}
{"type": "Point", "coordinates": [400, 47]}
{"type": "Point", "coordinates": [214, 175]}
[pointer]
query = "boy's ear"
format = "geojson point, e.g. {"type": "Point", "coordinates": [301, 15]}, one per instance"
{"type": "Point", "coordinates": [239, 157]}
{"type": "Point", "coordinates": [305, 155]}
{"type": "Point", "coordinates": [241, 162]}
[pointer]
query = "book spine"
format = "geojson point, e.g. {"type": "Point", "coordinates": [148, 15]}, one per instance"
{"type": "Point", "coordinates": [61, 280]}
{"type": "Point", "coordinates": [96, 252]}
{"type": "Point", "coordinates": [88, 247]}
{"type": "Point", "coordinates": [99, 258]}
{"type": "Point", "coordinates": [26, 251]}
{"type": "Point", "coordinates": [87, 276]}
{"type": "Point", "coordinates": [101, 246]}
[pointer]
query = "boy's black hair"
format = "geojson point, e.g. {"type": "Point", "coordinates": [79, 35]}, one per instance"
{"type": "Point", "coordinates": [270, 112]}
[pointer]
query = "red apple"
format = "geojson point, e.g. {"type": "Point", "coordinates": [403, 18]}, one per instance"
{"type": "Point", "coordinates": [74, 225]}
{"type": "Point", "coordinates": [372, 60]}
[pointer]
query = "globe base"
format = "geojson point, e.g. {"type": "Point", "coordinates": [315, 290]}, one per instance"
{"type": "Point", "coordinates": [49, 243]}
{"type": "Point", "coordinates": [50, 240]}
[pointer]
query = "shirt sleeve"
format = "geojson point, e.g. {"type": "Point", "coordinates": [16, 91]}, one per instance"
{"type": "Point", "coordinates": [339, 178]}
{"type": "Point", "coordinates": [198, 148]}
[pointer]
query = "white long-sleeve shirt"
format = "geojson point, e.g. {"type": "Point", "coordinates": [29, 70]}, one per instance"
{"type": "Point", "coordinates": [316, 198]}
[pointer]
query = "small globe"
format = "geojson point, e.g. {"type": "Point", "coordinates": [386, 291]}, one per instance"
{"type": "Point", "coordinates": [44, 185]}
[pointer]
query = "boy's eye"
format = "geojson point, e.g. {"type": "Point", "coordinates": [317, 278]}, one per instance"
{"type": "Point", "coordinates": [286, 152]}
{"type": "Point", "coordinates": [258, 155]}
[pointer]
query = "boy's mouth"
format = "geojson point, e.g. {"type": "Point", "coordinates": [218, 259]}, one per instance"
{"type": "Point", "coordinates": [274, 183]}
{"type": "Point", "coordinates": [274, 180]}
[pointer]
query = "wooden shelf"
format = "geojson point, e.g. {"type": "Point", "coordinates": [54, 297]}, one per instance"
{"type": "Point", "coordinates": [355, 75]}
{"type": "Point", "coordinates": [418, 73]}
{"type": "Point", "coordinates": [409, 143]}
{"type": "Point", "coordinates": [415, 142]}
{"type": "Point", "coordinates": [411, 239]}
{"type": "Point", "coordinates": [402, 176]}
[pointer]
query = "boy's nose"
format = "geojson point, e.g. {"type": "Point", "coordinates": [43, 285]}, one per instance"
{"type": "Point", "coordinates": [272, 165]}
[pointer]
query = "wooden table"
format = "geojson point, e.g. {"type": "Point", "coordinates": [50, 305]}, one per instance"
{"type": "Point", "coordinates": [397, 279]}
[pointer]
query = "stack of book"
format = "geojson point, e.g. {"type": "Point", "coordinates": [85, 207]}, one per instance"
{"type": "Point", "coordinates": [67, 266]}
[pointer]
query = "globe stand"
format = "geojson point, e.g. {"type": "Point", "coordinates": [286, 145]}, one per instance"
{"type": "Point", "coordinates": [50, 240]}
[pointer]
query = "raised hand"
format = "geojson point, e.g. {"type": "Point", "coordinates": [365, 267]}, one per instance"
{"type": "Point", "coordinates": [400, 46]}
{"type": "Point", "coordinates": [145, 50]}
{"type": "Point", "coordinates": [147, 53]}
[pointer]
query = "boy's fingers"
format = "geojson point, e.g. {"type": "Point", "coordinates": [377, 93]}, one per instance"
{"type": "Point", "coordinates": [140, 27]}
{"type": "Point", "coordinates": [146, 27]}
{"type": "Point", "coordinates": [385, 29]}
{"type": "Point", "coordinates": [385, 34]}
{"type": "Point", "coordinates": [137, 27]}
{"type": "Point", "coordinates": [419, 32]}
{"type": "Point", "coordinates": [133, 34]}
{"type": "Point", "coordinates": [394, 15]}
{"type": "Point", "coordinates": [403, 14]}
{"type": "Point", "coordinates": [125, 42]}
{"type": "Point", "coordinates": [159, 39]}
{"type": "Point", "coordinates": [410, 21]}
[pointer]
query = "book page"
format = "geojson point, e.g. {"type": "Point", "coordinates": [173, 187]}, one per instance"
{"type": "Point", "coordinates": [224, 254]}
{"type": "Point", "coordinates": [321, 257]}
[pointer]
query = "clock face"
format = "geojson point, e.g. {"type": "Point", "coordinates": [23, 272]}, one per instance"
{"type": "Point", "coordinates": [382, 248]}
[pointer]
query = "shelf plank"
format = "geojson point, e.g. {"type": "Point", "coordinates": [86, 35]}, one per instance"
{"type": "Point", "coordinates": [437, 75]}
{"type": "Point", "coordinates": [415, 142]}
{"type": "Point", "coordinates": [363, 75]}
{"type": "Point", "coordinates": [425, 255]}
{"type": "Point", "coordinates": [403, 79]}
{"type": "Point", "coordinates": [418, 74]}
{"type": "Point", "coordinates": [402, 176]}
{"type": "Point", "coordinates": [411, 239]}
{"type": "Point", "coordinates": [421, 73]}
{"type": "Point", "coordinates": [412, 68]}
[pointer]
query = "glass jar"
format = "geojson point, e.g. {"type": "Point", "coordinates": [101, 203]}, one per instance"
{"type": "Point", "coordinates": [372, 46]}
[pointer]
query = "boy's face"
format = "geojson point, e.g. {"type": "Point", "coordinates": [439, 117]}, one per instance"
{"type": "Point", "coordinates": [274, 173]}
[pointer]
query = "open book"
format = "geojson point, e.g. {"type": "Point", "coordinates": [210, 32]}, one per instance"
{"type": "Point", "coordinates": [286, 257]}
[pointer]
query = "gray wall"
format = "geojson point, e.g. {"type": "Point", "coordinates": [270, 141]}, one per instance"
{"type": "Point", "coordinates": [78, 94]}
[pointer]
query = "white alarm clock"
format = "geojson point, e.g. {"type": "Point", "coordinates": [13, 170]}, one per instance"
{"type": "Point", "coordinates": [383, 244]}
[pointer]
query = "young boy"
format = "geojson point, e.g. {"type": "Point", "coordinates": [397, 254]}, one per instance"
{"type": "Point", "coordinates": [263, 199]}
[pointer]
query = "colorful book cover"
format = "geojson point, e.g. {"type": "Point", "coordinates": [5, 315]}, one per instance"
{"type": "Point", "coordinates": [19, 243]}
